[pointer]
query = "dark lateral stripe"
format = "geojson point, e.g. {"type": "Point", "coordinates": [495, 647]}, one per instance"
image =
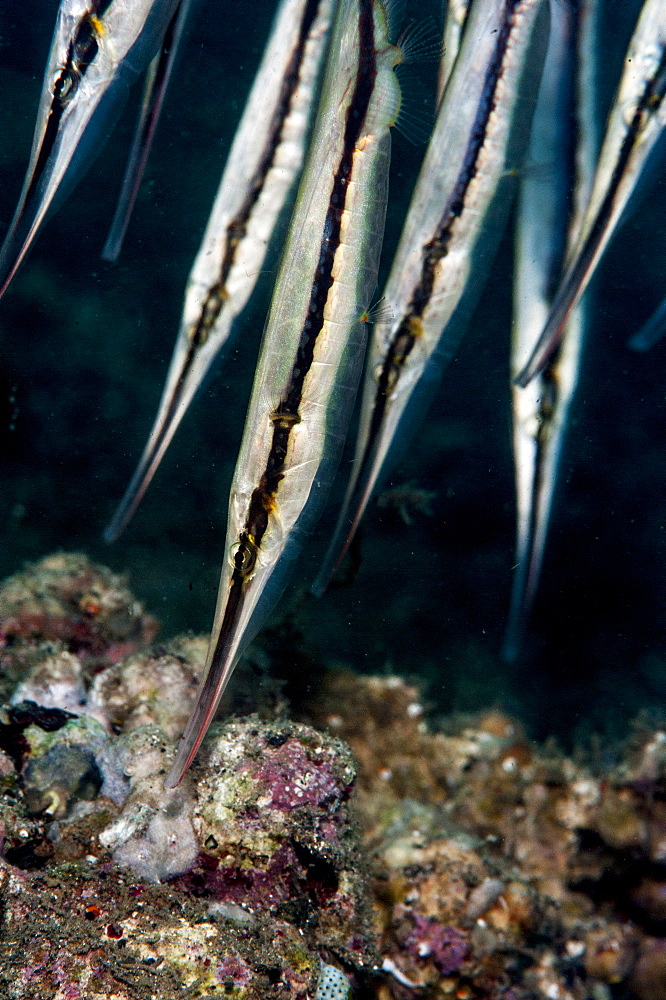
{"type": "Point", "coordinates": [438, 247]}
{"type": "Point", "coordinates": [551, 337]}
{"type": "Point", "coordinates": [651, 98]}
{"type": "Point", "coordinates": [287, 412]}
{"type": "Point", "coordinates": [405, 336]}
{"type": "Point", "coordinates": [80, 54]}
{"type": "Point", "coordinates": [237, 228]}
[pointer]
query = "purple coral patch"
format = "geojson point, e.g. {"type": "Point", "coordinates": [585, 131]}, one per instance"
{"type": "Point", "coordinates": [446, 946]}
{"type": "Point", "coordinates": [293, 779]}
{"type": "Point", "coordinates": [233, 968]}
{"type": "Point", "coordinates": [292, 873]}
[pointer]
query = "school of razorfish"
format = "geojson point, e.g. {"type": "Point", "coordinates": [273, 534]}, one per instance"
{"type": "Point", "coordinates": [316, 131]}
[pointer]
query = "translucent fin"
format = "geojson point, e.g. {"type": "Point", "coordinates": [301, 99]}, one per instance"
{"type": "Point", "coordinates": [420, 42]}
{"type": "Point", "coordinates": [380, 312]}
{"type": "Point", "coordinates": [415, 116]}
{"type": "Point", "coordinates": [356, 501]}
{"type": "Point", "coordinates": [541, 171]}
{"type": "Point", "coordinates": [395, 13]}
{"type": "Point", "coordinates": [369, 461]}
{"type": "Point", "coordinates": [155, 87]}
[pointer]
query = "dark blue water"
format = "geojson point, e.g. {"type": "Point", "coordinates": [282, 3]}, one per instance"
{"type": "Point", "coordinates": [83, 353]}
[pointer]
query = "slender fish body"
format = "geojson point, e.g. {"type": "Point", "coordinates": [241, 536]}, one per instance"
{"type": "Point", "coordinates": [554, 193]}
{"type": "Point", "coordinates": [456, 216]}
{"type": "Point", "coordinates": [635, 124]}
{"type": "Point", "coordinates": [98, 48]}
{"type": "Point", "coordinates": [154, 90]}
{"type": "Point", "coordinates": [313, 346]}
{"type": "Point", "coordinates": [263, 166]}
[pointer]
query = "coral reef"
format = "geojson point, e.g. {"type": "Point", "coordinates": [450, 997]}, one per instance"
{"type": "Point", "coordinates": [234, 882]}
{"type": "Point", "coordinates": [237, 883]}
{"type": "Point", "coordinates": [152, 686]}
{"type": "Point", "coordinates": [64, 607]}
{"type": "Point", "coordinates": [501, 868]}
{"type": "Point", "coordinates": [385, 860]}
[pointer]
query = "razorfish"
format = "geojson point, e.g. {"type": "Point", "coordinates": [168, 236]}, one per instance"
{"type": "Point", "coordinates": [262, 168]}
{"type": "Point", "coordinates": [154, 90]}
{"type": "Point", "coordinates": [554, 192]}
{"type": "Point", "coordinates": [453, 225]}
{"type": "Point", "coordinates": [635, 124]}
{"type": "Point", "coordinates": [98, 48]}
{"type": "Point", "coordinates": [313, 346]}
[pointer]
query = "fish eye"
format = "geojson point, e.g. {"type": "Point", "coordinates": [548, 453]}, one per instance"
{"type": "Point", "coordinates": [64, 86]}
{"type": "Point", "coordinates": [243, 556]}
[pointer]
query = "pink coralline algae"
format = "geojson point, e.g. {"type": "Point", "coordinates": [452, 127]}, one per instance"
{"type": "Point", "coordinates": [292, 778]}
{"type": "Point", "coordinates": [233, 972]}
{"type": "Point", "coordinates": [445, 945]}
{"type": "Point", "coordinates": [290, 875]}
{"type": "Point", "coordinates": [272, 816]}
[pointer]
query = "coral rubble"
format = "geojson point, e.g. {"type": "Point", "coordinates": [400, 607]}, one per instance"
{"type": "Point", "coordinates": [235, 882]}
{"type": "Point", "coordinates": [82, 614]}
{"type": "Point", "coordinates": [502, 869]}
{"type": "Point", "coordinates": [355, 852]}
{"type": "Point", "coordinates": [239, 882]}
